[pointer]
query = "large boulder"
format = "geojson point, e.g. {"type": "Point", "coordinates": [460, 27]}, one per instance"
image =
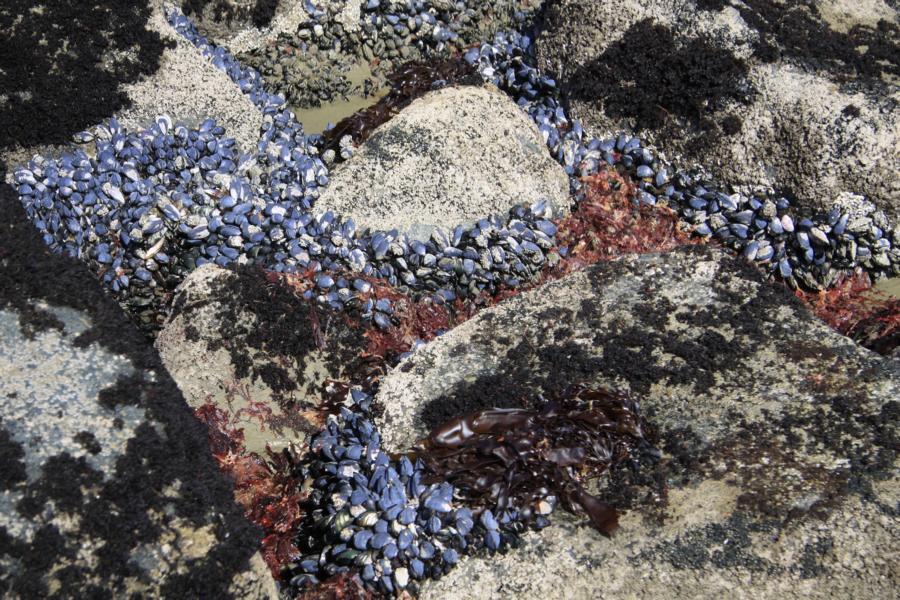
{"type": "Point", "coordinates": [107, 486]}
{"type": "Point", "coordinates": [63, 65]}
{"type": "Point", "coordinates": [778, 474]}
{"type": "Point", "coordinates": [797, 96]}
{"type": "Point", "coordinates": [451, 157]}
{"type": "Point", "coordinates": [257, 350]}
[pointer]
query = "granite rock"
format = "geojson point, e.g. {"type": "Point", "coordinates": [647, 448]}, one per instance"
{"type": "Point", "coordinates": [107, 487]}
{"type": "Point", "coordinates": [189, 88]}
{"type": "Point", "coordinates": [250, 347]}
{"type": "Point", "coordinates": [801, 97]}
{"type": "Point", "coordinates": [778, 437]}
{"type": "Point", "coordinates": [451, 157]}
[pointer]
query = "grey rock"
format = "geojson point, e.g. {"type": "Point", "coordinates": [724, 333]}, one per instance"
{"type": "Point", "coordinates": [708, 548]}
{"type": "Point", "coordinates": [230, 23]}
{"type": "Point", "coordinates": [811, 129]}
{"type": "Point", "coordinates": [776, 434]}
{"type": "Point", "coordinates": [254, 355]}
{"type": "Point", "coordinates": [451, 157]}
{"type": "Point", "coordinates": [107, 487]}
{"type": "Point", "coordinates": [189, 88]}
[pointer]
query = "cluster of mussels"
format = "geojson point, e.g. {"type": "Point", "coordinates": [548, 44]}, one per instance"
{"type": "Point", "coordinates": [399, 519]}
{"type": "Point", "coordinates": [309, 65]}
{"type": "Point", "coordinates": [811, 250]}
{"type": "Point", "coordinates": [145, 208]}
{"type": "Point", "coordinates": [371, 513]}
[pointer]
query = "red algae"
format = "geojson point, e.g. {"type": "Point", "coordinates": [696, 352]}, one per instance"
{"type": "Point", "coordinates": [609, 223]}
{"type": "Point", "coordinates": [265, 489]}
{"type": "Point", "coordinates": [602, 426]}
{"type": "Point", "coordinates": [852, 309]}
{"type": "Point", "coordinates": [550, 453]}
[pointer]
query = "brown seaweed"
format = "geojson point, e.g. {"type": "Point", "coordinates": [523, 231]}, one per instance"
{"type": "Point", "coordinates": [516, 458]}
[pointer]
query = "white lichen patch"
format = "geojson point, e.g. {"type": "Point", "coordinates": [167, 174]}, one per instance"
{"type": "Point", "coordinates": [49, 391]}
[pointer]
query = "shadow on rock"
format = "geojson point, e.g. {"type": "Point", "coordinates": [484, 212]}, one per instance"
{"type": "Point", "coordinates": [799, 32]}
{"type": "Point", "coordinates": [62, 65]}
{"type": "Point", "coordinates": [259, 12]}
{"type": "Point", "coordinates": [650, 77]}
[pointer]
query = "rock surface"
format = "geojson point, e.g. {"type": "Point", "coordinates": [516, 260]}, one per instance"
{"type": "Point", "coordinates": [64, 64]}
{"type": "Point", "coordinates": [779, 469]}
{"type": "Point", "coordinates": [189, 88]}
{"type": "Point", "coordinates": [757, 92]}
{"type": "Point", "coordinates": [707, 548]}
{"type": "Point", "coordinates": [250, 347]}
{"type": "Point", "coordinates": [242, 26]}
{"type": "Point", "coordinates": [451, 157]}
{"type": "Point", "coordinates": [178, 81]}
{"type": "Point", "coordinates": [107, 487]}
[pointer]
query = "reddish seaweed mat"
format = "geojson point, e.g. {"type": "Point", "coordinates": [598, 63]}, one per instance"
{"type": "Point", "coordinates": [853, 309]}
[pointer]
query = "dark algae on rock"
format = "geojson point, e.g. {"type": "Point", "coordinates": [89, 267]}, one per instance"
{"type": "Point", "coordinates": [56, 55]}
{"type": "Point", "coordinates": [797, 31]}
{"type": "Point", "coordinates": [282, 325]}
{"type": "Point", "coordinates": [120, 509]}
{"type": "Point", "coordinates": [259, 12]}
{"type": "Point", "coordinates": [687, 78]}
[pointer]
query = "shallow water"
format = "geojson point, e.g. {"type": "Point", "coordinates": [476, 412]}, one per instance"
{"type": "Point", "coordinates": [891, 287]}
{"type": "Point", "coordinates": [316, 119]}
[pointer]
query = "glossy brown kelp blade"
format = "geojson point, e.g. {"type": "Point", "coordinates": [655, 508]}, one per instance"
{"type": "Point", "coordinates": [504, 458]}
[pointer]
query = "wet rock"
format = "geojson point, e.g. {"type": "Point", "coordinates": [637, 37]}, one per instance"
{"type": "Point", "coordinates": [108, 487]}
{"type": "Point", "coordinates": [778, 474]}
{"type": "Point", "coordinates": [451, 157]}
{"type": "Point", "coordinates": [222, 19]}
{"type": "Point", "coordinates": [257, 350]}
{"type": "Point", "coordinates": [801, 98]}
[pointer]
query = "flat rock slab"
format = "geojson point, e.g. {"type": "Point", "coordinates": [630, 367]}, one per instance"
{"type": "Point", "coordinates": [451, 157]}
{"type": "Point", "coordinates": [758, 92]}
{"type": "Point", "coordinates": [706, 550]}
{"type": "Point", "coordinates": [107, 487]}
{"type": "Point", "coordinates": [779, 436]}
{"type": "Point", "coordinates": [251, 347]}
